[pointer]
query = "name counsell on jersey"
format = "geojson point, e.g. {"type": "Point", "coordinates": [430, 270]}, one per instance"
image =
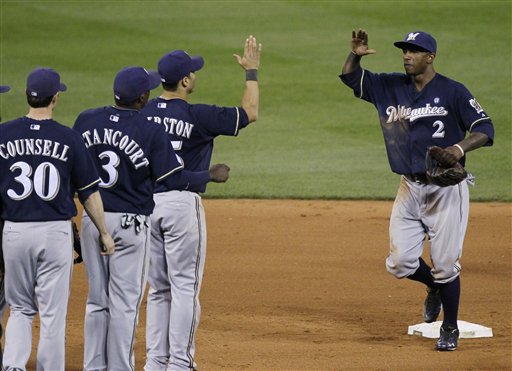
{"type": "Point", "coordinates": [407, 113]}
{"type": "Point", "coordinates": [34, 147]}
{"type": "Point", "coordinates": [173, 126]}
{"type": "Point", "coordinates": [116, 138]}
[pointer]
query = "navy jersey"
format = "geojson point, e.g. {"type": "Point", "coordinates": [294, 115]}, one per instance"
{"type": "Point", "coordinates": [43, 164]}
{"type": "Point", "coordinates": [131, 155]}
{"type": "Point", "coordinates": [193, 127]}
{"type": "Point", "coordinates": [411, 121]}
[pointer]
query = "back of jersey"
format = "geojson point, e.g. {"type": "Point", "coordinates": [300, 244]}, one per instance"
{"type": "Point", "coordinates": [130, 156]}
{"type": "Point", "coordinates": [193, 127]}
{"type": "Point", "coordinates": [42, 164]}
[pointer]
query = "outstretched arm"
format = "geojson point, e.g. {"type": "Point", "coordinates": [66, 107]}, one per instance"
{"type": "Point", "coordinates": [250, 62]}
{"type": "Point", "coordinates": [359, 49]}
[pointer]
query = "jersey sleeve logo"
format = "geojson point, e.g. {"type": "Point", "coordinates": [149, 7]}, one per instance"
{"type": "Point", "coordinates": [478, 108]}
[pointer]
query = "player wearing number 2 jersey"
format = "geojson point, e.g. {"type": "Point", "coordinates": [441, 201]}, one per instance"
{"type": "Point", "coordinates": [42, 164]}
{"type": "Point", "coordinates": [178, 228]}
{"type": "Point", "coordinates": [418, 110]}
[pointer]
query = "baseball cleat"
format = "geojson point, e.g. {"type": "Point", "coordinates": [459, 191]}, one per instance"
{"type": "Point", "coordinates": [432, 305]}
{"type": "Point", "coordinates": [448, 338]}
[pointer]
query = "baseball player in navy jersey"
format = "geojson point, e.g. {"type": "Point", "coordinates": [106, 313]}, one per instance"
{"type": "Point", "coordinates": [178, 228]}
{"type": "Point", "coordinates": [131, 155]}
{"type": "Point", "coordinates": [42, 164]}
{"type": "Point", "coordinates": [418, 110]}
{"type": "Point", "coordinates": [3, 304]}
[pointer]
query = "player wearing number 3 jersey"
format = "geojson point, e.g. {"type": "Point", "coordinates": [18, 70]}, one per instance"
{"type": "Point", "coordinates": [130, 155]}
{"type": "Point", "coordinates": [418, 110]}
{"type": "Point", "coordinates": [42, 164]}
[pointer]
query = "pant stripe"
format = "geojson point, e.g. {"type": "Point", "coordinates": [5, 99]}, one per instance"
{"type": "Point", "coordinates": [196, 285]}
{"type": "Point", "coordinates": [142, 286]}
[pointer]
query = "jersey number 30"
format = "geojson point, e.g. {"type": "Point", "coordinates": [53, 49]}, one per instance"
{"type": "Point", "coordinates": [45, 182]}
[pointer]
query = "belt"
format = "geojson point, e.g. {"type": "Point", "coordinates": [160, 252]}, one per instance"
{"type": "Point", "coordinates": [417, 178]}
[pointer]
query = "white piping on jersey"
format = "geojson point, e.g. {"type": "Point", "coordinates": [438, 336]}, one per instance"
{"type": "Point", "coordinates": [237, 120]}
{"type": "Point", "coordinates": [361, 84]}
{"type": "Point", "coordinates": [89, 185]}
{"type": "Point", "coordinates": [170, 172]}
{"type": "Point", "coordinates": [474, 123]}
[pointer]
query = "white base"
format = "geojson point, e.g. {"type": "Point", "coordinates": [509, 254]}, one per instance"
{"type": "Point", "coordinates": [466, 330]}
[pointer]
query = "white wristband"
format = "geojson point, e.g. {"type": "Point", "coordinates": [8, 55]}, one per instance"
{"type": "Point", "coordinates": [459, 147]}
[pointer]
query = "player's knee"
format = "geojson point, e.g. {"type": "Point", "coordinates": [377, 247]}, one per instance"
{"type": "Point", "coordinates": [446, 274]}
{"type": "Point", "coordinates": [399, 266]}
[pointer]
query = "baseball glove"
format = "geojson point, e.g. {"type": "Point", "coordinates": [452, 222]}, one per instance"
{"type": "Point", "coordinates": [77, 246]}
{"type": "Point", "coordinates": [440, 175]}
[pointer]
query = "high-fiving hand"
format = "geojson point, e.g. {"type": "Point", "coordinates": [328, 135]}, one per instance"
{"type": "Point", "coordinates": [251, 58]}
{"type": "Point", "coordinates": [360, 43]}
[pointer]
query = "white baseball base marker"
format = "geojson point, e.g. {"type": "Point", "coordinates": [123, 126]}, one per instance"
{"type": "Point", "coordinates": [467, 330]}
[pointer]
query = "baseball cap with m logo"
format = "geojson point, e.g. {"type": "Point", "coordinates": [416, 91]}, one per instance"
{"type": "Point", "coordinates": [418, 40]}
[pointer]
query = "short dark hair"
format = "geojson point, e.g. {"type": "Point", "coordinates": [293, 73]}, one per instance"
{"type": "Point", "coordinates": [39, 102]}
{"type": "Point", "coordinates": [125, 104]}
{"type": "Point", "coordinates": [170, 87]}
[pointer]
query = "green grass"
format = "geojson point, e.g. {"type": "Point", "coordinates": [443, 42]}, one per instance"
{"type": "Point", "coordinates": [313, 138]}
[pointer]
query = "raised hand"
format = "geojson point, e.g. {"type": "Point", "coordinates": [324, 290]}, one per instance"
{"type": "Point", "coordinates": [251, 58]}
{"type": "Point", "coordinates": [360, 43]}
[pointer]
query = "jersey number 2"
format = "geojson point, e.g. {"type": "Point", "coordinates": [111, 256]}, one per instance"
{"type": "Point", "coordinates": [440, 129]}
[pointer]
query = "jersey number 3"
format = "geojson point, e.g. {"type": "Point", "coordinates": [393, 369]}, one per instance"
{"type": "Point", "coordinates": [110, 168]}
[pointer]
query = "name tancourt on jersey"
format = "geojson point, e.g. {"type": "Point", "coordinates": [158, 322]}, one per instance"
{"type": "Point", "coordinates": [403, 113]}
{"type": "Point", "coordinates": [116, 139]}
{"type": "Point", "coordinates": [173, 126]}
{"type": "Point", "coordinates": [34, 147]}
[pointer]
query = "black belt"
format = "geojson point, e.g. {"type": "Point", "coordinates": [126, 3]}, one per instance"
{"type": "Point", "coordinates": [418, 178]}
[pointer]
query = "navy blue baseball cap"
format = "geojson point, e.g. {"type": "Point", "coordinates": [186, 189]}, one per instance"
{"type": "Point", "coordinates": [418, 40]}
{"type": "Point", "coordinates": [44, 82]}
{"type": "Point", "coordinates": [177, 64]}
{"type": "Point", "coordinates": [4, 88]}
{"type": "Point", "coordinates": [131, 82]}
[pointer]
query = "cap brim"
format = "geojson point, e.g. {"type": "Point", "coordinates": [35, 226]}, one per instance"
{"type": "Point", "coordinates": [410, 46]}
{"type": "Point", "coordinates": [154, 80]}
{"type": "Point", "coordinates": [197, 62]}
{"type": "Point", "coordinates": [63, 87]}
{"type": "Point", "coordinates": [4, 88]}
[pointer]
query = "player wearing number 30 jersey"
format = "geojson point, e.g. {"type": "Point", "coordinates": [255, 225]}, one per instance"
{"type": "Point", "coordinates": [42, 164]}
{"type": "Point", "coordinates": [3, 304]}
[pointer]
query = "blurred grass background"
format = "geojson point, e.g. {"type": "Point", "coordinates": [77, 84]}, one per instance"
{"type": "Point", "coordinates": [313, 138]}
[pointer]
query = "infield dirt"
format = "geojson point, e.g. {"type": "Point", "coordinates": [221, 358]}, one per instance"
{"type": "Point", "coordinates": [301, 285]}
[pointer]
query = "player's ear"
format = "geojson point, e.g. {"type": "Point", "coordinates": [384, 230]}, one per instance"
{"type": "Point", "coordinates": [184, 81]}
{"type": "Point", "coordinates": [55, 99]}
